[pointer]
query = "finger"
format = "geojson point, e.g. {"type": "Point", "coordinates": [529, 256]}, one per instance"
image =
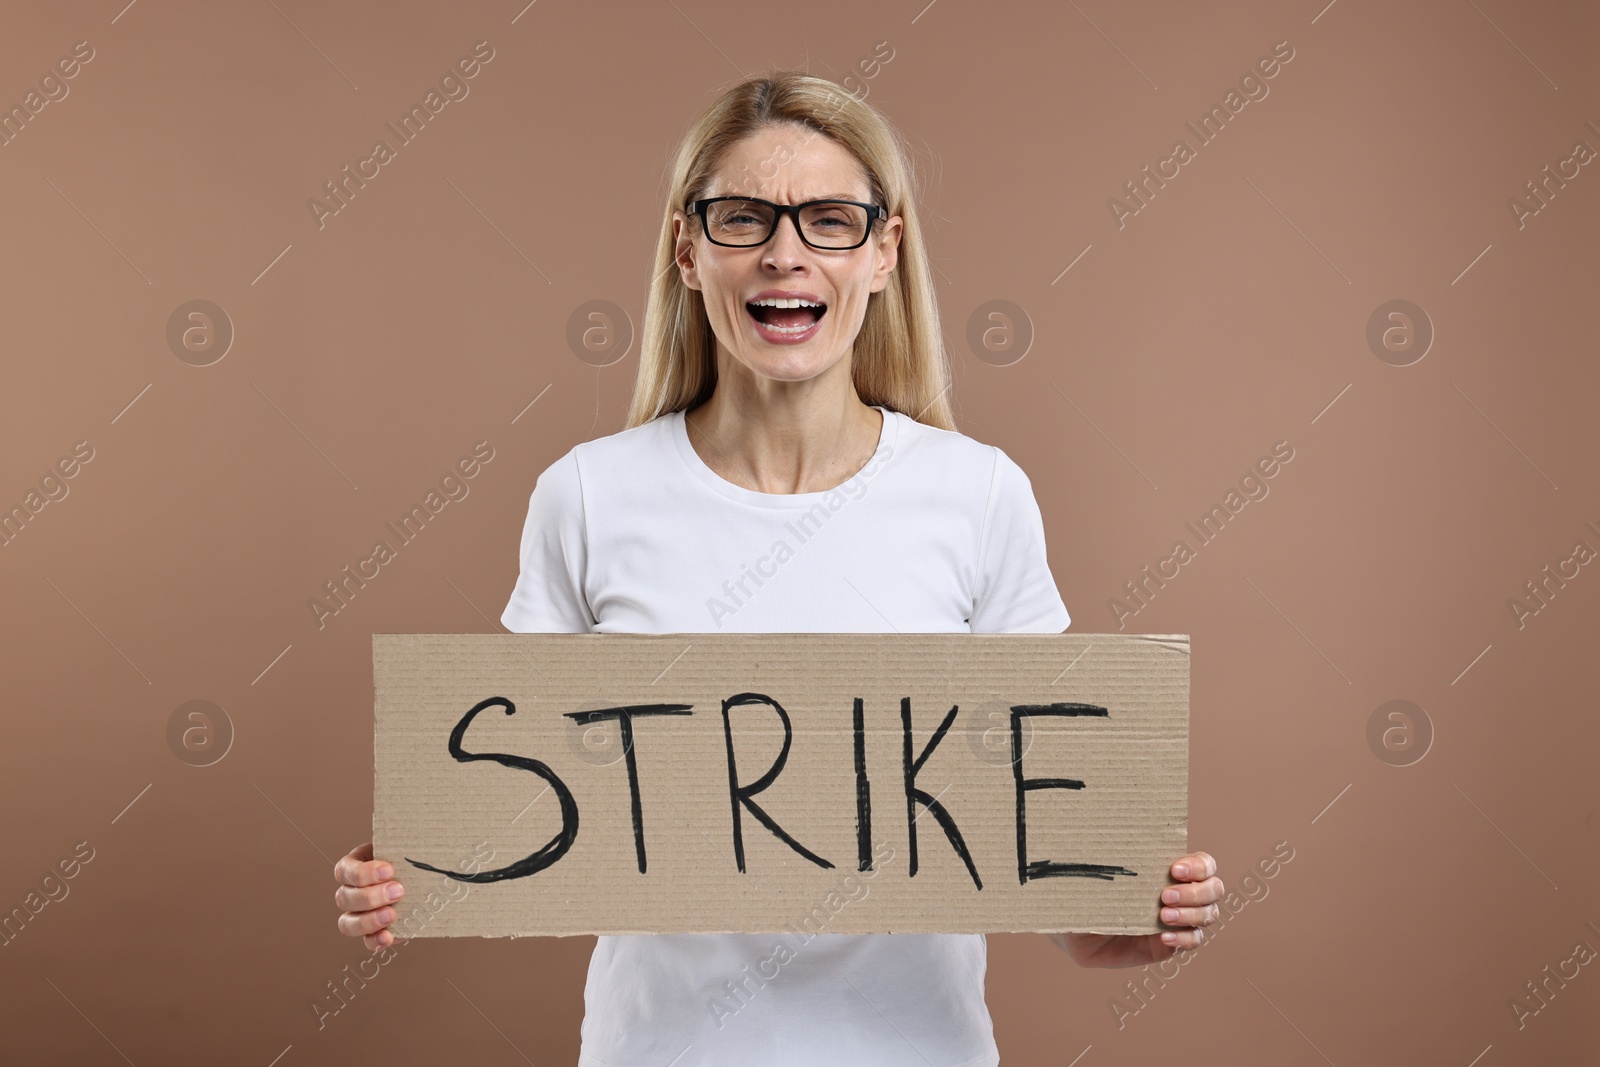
{"type": "Point", "coordinates": [1192, 894]}
{"type": "Point", "coordinates": [365, 898]}
{"type": "Point", "coordinates": [1203, 916]}
{"type": "Point", "coordinates": [1181, 939]}
{"type": "Point", "coordinates": [1195, 867]}
{"type": "Point", "coordinates": [356, 923]}
{"type": "Point", "coordinates": [381, 940]}
{"type": "Point", "coordinates": [354, 858]}
{"type": "Point", "coordinates": [360, 869]}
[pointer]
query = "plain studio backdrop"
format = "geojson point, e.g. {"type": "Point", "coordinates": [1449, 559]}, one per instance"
{"type": "Point", "coordinates": [1379, 259]}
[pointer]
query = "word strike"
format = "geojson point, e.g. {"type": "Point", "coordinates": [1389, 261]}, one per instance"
{"type": "Point", "coordinates": [742, 792]}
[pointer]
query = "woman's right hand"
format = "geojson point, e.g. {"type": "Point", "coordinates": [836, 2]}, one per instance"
{"type": "Point", "coordinates": [366, 889]}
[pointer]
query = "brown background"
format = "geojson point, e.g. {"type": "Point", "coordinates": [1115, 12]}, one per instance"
{"type": "Point", "coordinates": [1226, 316]}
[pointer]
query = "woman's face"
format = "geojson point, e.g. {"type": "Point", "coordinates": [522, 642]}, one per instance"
{"type": "Point", "coordinates": [786, 165]}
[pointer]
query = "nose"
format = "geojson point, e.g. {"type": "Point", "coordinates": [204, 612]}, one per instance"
{"type": "Point", "coordinates": [785, 247]}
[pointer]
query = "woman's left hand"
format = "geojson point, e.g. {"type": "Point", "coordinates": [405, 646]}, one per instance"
{"type": "Point", "coordinates": [1192, 905]}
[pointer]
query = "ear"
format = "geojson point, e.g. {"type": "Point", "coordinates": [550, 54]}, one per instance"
{"type": "Point", "coordinates": [683, 254]}
{"type": "Point", "coordinates": [888, 247]}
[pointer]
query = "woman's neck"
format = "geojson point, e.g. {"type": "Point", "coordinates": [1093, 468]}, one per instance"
{"type": "Point", "coordinates": [784, 440]}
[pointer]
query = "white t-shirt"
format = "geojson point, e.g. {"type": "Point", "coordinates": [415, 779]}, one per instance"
{"type": "Point", "coordinates": [633, 533]}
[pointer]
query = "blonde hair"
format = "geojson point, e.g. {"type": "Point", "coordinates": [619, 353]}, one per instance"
{"type": "Point", "coordinates": [899, 359]}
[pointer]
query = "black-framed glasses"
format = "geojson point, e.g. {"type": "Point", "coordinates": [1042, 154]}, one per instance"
{"type": "Point", "coordinates": [744, 222]}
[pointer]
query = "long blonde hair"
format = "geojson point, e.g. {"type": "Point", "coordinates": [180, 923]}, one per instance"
{"type": "Point", "coordinates": [899, 359]}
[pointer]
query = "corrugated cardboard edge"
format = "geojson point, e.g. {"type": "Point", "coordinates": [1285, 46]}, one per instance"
{"type": "Point", "coordinates": [1178, 643]}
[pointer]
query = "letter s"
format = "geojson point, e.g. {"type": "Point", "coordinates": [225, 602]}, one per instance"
{"type": "Point", "coordinates": [1278, 48]}
{"type": "Point", "coordinates": [553, 849]}
{"type": "Point", "coordinates": [78, 449]}
{"type": "Point", "coordinates": [1278, 450]}
{"type": "Point", "coordinates": [478, 50]}
{"type": "Point", "coordinates": [1277, 850]}
{"type": "Point", "coordinates": [78, 50]}
{"type": "Point", "coordinates": [478, 450]}
{"type": "Point", "coordinates": [77, 850]}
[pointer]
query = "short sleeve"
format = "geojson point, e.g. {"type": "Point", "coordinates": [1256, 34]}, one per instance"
{"type": "Point", "coordinates": [1015, 592]}
{"type": "Point", "coordinates": [548, 596]}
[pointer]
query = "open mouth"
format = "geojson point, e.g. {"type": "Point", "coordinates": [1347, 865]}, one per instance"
{"type": "Point", "coordinates": [786, 322]}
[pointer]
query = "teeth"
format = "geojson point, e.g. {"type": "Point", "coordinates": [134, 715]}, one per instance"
{"type": "Point", "coordinates": [779, 302]}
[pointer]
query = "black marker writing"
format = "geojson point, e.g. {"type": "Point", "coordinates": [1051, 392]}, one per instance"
{"type": "Point", "coordinates": [863, 794]}
{"type": "Point", "coordinates": [556, 847]}
{"type": "Point", "coordinates": [915, 796]}
{"type": "Point", "coordinates": [1049, 868]}
{"type": "Point", "coordinates": [624, 716]}
{"type": "Point", "coordinates": [741, 794]}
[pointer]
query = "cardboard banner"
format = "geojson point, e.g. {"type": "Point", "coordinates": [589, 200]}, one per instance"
{"type": "Point", "coordinates": [841, 783]}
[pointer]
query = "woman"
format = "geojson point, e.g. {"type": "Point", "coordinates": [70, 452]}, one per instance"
{"type": "Point", "coordinates": [790, 465]}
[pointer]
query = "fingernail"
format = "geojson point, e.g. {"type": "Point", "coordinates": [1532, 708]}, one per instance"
{"type": "Point", "coordinates": [385, 873]}
{"type": "Point", "coordinates": [395, 889]}
{"type": "Point", "coordinates": [1170, 896]}
{"type": "Point", "coordinates": [1169, 915]}
{"type": "Point", "coordinates": [1181, 870]}
{"type": "Point", "coordinates": [1169, 938]}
